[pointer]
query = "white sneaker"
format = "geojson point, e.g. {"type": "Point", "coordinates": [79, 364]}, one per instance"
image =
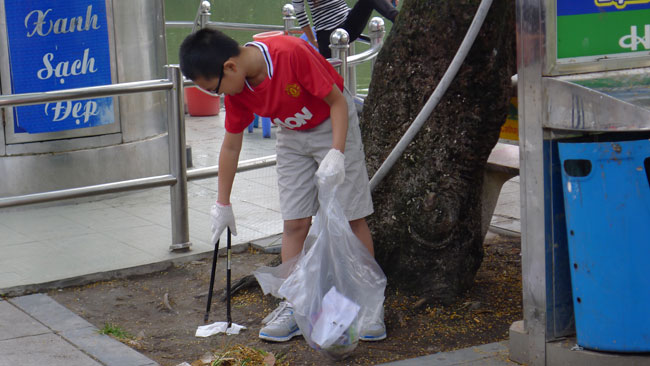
{"type": "Point", "coordinates": [280, 324]}
{"type": "Point", "coordinates": [375, 331]}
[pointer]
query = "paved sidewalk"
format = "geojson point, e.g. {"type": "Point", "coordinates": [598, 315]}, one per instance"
{"type": "Point", "coordinates": [36, 330]}
{"type": "Point", "coordinates": [493, 354]}
{"type": "Point", "coordinates": [71, 243]}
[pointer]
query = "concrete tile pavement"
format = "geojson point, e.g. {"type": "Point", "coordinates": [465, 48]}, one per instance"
{"type": "Point", "coordinates": [68, 243]}
{"type": "Point", "coordinates": [493, 354]}
{"type": "Point", "coordinates": [36, 330]}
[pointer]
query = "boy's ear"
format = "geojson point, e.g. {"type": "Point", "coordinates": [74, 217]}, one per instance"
{"type": "Point", "coordinates": [230, 65]}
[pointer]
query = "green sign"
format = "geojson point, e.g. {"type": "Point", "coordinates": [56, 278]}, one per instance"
{"type": "Point", "coordinates": [602, 28]}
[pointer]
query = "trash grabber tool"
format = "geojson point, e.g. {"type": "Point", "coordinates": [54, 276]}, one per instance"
{"type": "Point", "coordinates": [228, 317]}
{"type": "Point", "coordinates": [214, 267]}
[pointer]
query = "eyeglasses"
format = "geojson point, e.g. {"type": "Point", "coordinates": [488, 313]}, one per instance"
{"type": "Point", "coordinates": [215, 91]}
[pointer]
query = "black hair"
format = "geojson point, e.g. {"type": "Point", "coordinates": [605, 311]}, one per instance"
{"type": "Point", "coordinates": [203, 53]}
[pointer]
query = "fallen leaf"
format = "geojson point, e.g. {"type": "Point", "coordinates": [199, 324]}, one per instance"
{"type": "Point", "coordinates": [269, 360]}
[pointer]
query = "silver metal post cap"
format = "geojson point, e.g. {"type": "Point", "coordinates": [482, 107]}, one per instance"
{"type": "Point", "coordinates": [205, 6]}
{"type": "Point", "coordinates": [340, 37]}
{"type": "Point", "coordinates": [376, 24]}
{"type": "Point", "coordinates": [288, 10]}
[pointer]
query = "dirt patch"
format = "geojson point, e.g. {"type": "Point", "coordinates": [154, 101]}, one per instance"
{"type": "Point", "coordinates": [162, 311]}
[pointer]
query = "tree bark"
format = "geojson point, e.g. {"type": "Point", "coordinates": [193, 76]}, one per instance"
{"type": "Point", "coordinates": [427, 220]}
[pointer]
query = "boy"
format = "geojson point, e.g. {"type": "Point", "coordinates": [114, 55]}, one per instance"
{"type": "Point", "coordinates": [285, 79]}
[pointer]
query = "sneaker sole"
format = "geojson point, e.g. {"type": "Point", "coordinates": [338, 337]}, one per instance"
{"type": "Point", "coordinates": [372, 339]}
{"type": "Point", "coordinates": [271, 338]}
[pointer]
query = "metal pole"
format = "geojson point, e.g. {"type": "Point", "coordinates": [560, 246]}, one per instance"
{"type": "Point", "coordinates": [213, 273]}
{"type": "Point", "coordinates": [15, 100]}
{"type": "Point", "coordinates": [340, 46]}
{"type": "Point", "coordinates": [88, 191]}
{"type": "Point", "coordinates": [351, 82]}
{"type": "Point", "coordinates": [200, 21]}
{"type": "Point", "coordinates": [205, 14]}
{"type": "Point", "coordinates": [228, 274]}
{"type": "Point", "coordinates": [436, 96]}
{"type": "Point", "coordinates": [288, 15]}
{"type": "Point", "coordinates": [377, 31]}
{"type": "Point", "coordinates": [177, 161]}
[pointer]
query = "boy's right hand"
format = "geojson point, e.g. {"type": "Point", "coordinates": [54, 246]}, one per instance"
{"type": "Point", "coordinates": [331, 171]}
{"type": "Point", "coordinates": [221, 216]}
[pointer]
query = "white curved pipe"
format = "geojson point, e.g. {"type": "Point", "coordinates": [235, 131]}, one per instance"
{"type": "Point", "coordinates": [435, 97]}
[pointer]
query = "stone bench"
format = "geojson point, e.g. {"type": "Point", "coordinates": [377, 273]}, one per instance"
{"type": "Point", "coordinates": [502, 165]}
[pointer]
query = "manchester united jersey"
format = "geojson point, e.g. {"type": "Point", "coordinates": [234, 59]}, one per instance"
{"type": "Point", "coordinates": [298, 78]}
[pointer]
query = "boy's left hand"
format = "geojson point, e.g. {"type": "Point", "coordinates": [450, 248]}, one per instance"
{"type": "Point", "coordinates": [332, 168]}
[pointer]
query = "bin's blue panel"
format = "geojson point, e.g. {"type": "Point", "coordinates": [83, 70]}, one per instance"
{"type": "Point", "coordinates": [559, 299]}
{"type": "Point", "coordinates": [608, 224]}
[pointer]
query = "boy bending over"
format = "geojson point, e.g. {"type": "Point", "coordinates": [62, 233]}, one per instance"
{"type": "Point", "coordinates": [285, 79]}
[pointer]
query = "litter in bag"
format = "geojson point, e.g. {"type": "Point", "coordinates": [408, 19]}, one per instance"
{"type": "Point", "coordinates": [332, 259]}
{"type": "Point", "coordinates": [337, 314]}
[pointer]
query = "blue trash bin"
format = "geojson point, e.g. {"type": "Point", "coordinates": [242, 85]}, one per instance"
{"type": "Point", "coordinates": [607, 204]}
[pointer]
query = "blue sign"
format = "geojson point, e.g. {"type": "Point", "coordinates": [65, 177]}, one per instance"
{"type": "Point", "coordinates": [57, 45]}
{"type": "Point", "coordinates": [576, 7]}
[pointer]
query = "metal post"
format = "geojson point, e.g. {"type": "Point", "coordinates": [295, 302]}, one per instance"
{"type": "Point", "coordinates": [351, 82]}
{"type": "Point", "coordinates": [205, 14]}
{"type": "Point", "coordinates": [340, 46]}
{"type": "Point", "coordinates": [177, 161]}
{"type": "Point", "coordinates": [377, 31]}
{"type": "Point", "coordinates": [202, 16]}
{"type": "Point", "coordinates": [289, 17]}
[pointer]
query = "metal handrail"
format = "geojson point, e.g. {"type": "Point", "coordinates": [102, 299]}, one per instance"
{"type": "Point", "coordinates": [243, 166]}
{"type": "Point", "coordinates": [178, 24]}
{"type": "Point", "coordinates": [179, 175]}
{"type": "Point", "coordinates": [233, 26]}
{"type": "Point", "coordinates": [173, 85]}
{"type": "Point", "coordinates": [87, 191]}
{"type": "Point", "coordinates": [251, 27]}
{"type": "Point", "coordinates": [367, 55]}
{"type": "Point", "coordinates": [16, 100]}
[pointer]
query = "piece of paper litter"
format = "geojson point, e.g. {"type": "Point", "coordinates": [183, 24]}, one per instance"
{"type": "Point", "coordinates": [337, 313]}
{"type": "Point", "coordinates": [218, 327]}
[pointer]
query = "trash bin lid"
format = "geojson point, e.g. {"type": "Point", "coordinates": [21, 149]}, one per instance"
{"type": "Point", "coordinates": [263, 35]}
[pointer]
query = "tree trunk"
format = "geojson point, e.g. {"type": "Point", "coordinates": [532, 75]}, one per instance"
{"type": "Point", "coordinates": [427, 220]}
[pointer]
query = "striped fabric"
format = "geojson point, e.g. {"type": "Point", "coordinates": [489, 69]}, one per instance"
{"type": "Point", "coordinates": [326, 14]}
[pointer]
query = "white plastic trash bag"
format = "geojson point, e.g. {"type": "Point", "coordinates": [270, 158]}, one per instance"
{"type": "Point", "coordinates": [333, 262]}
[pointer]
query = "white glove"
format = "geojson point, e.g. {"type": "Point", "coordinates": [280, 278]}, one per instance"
{"type": "Point", "coordinates": [332, 169]}
{"type": "Point", "coordinates": [220, 217]}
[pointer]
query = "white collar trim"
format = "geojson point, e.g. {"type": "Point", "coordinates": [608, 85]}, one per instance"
{"type": "Point", "coordinates": [267, 59]}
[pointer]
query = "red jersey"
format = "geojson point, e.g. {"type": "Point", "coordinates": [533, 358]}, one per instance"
{"type": "Point", "coordinates": [298, 78]}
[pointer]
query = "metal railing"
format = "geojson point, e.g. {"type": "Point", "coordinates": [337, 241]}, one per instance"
{"type": "Point", "coordinates": [178, 174]}
{"type": "Point", "coordinates": [174, 84]}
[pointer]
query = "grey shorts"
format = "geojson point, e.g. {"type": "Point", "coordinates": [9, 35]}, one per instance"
{"type": "Point", "coordinates": [300, 152]}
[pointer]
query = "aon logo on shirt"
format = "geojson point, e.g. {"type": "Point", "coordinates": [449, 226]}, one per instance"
{"type": "Point", "coordinates": [296, 121]}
